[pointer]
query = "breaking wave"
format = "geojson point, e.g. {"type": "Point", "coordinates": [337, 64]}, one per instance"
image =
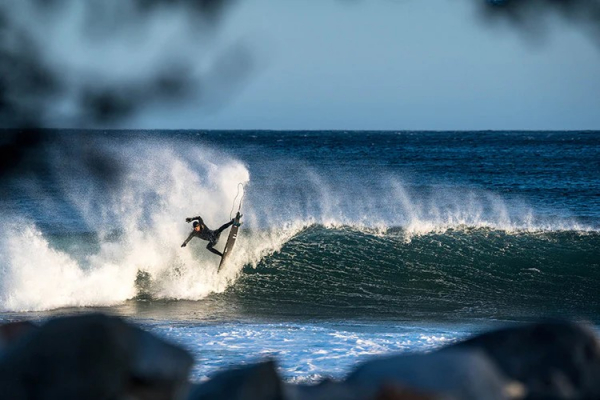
{"type": "Point", "coordinates": [101, 243]}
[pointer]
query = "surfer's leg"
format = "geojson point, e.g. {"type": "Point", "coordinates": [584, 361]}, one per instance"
{"type": "Point", "coordinates": [209, 247]}
{"type": "Point", "coordinates": [222, 228]}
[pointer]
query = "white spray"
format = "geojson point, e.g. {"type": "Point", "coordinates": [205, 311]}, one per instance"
{"type": "Point", "coordinates": [140, 227]}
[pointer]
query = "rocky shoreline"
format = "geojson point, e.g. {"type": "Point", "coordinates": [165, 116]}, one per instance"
{"type": "Point", "coordinates": [97, 356]}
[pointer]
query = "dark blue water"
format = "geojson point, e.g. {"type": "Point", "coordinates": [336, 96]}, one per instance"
{"type": "Point", "coordinates": [557, 172]}
{"type": "Point", "coordinates": [353, 243]}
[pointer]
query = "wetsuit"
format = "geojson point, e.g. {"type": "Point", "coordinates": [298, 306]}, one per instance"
{"type": "Point", "coordinates": [207, 234]}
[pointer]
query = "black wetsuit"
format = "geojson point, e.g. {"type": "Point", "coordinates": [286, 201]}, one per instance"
{"type": "Point", "coordinates": [207, 234]}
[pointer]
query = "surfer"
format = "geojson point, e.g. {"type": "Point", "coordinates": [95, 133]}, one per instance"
{"type": "Point", "coordinates": [201, 231]}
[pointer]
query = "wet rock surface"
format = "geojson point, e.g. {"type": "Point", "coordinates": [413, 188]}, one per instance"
{"type": "Point", "coordinates": [258, 381]}
{"type": "Point", "coordinates": [461, 374]}
{"type": "Point", "coordinates": [92, 357]}
{"type": "Point", "coordinates": [553, 359]}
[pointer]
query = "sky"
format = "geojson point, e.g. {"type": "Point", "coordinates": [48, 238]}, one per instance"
{"type": "Point", "coordinates": [376, 65]}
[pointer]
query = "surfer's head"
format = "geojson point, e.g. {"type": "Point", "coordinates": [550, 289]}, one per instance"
{"type": "Point", "coordinates": [197, 226]}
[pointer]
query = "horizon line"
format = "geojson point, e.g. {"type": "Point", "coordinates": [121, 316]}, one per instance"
{"type": "Point", "coordinates": [304, 130]}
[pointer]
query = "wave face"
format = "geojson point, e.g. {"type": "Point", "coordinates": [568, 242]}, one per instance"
{"type": "Point", "coordinates": [402, 224]}
{"type": "Point", "coordinates": [464, 273]}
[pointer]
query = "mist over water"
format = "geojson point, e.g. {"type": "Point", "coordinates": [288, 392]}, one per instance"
{"type": "Point", "coordinates": [97, 243]}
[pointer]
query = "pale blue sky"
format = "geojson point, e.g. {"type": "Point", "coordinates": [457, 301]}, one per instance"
{"type": "Point", "coordinates": [395, 65]}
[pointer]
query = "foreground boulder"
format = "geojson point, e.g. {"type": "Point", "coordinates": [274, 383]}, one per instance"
{"type": "Point", "coordinates": [254, 382]}
{"type": "Point", "coordinates": [328, 389]}
{"type": "Point", "coordinates": [92, 357]}
{"type": "Point", "coordinates": [556, 360]}
{"type": "Point", "coordinates": [451, 374]}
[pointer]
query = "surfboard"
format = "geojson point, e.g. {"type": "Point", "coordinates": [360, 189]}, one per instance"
{"type": "Point", "coordinates": [230, 239]}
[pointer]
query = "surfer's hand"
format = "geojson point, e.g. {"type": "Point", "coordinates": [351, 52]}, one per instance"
{"type": "Point", "coordinates": [183, 245]}
{"type": "Point", "coordinates": [188, 220]}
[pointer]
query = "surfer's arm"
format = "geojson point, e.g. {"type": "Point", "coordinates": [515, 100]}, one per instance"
{"type": "Point", "coordinates": [199, 218]}
{"type": "Point", "coordinates": [188, 239]}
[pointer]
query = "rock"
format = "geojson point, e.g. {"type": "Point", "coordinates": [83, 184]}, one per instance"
{"type": "Point", "coordinates": [395, 392]}
{"type": "Point", "coordinates": [328, 390]}
{"type": "Point", "coordinates": [556, 360]}
{"type": "Point", "coordinates": [457, 374]}
{"type": "Point", "coordinates": [254, 382]}
{"type": "Point", "coordinates": [93, 357]}
{"type": "Point", "coordinates": [325, 390]}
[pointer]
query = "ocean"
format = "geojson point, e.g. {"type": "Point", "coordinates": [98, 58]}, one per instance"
{"type": "Point", "coordinates": [353, 244]}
